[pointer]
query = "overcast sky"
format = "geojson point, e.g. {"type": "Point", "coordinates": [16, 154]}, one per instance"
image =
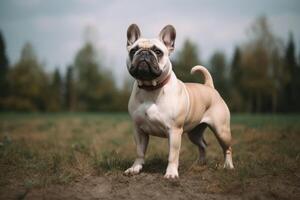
{"type": "Point", "coordinates": [55, 27]}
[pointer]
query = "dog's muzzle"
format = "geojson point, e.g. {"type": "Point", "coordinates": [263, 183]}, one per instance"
{"type": "Point", "coordinates": [145, 66]}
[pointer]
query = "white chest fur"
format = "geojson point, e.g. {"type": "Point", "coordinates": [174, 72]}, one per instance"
{"type": "Point", "coordinates": [154, 112]}
{"type": "Point", "coordinates": [148, 117]}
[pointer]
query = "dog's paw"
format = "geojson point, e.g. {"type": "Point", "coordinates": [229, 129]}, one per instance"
{"type": "Point", "coordinates": [135, 169]}
{"type": "Point", "coordinates": [228, 161]}
{"type": "Point", "coordinates": [228, 165]}
{"type": "Point", "coordinates": [171, 172]}
{"type": "Point", "coordinates": [171, 176]}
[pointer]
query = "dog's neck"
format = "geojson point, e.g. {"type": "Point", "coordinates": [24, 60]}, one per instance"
{"type": "Point", "coordinates": [157, 85]}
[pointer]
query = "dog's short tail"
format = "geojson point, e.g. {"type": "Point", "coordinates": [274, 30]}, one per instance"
{"type": "Point", "coordinates": [208, 81]}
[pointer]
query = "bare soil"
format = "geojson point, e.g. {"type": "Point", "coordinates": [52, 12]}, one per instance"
{"type": "Point", "coordinates": [153, 186]}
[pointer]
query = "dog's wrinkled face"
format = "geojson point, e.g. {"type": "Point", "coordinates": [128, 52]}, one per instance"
{"type": "Point", "coordinates": [148, 59]}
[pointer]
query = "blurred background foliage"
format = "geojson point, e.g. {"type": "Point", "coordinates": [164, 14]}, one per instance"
{"type": "Point", "coordinates": [263, 75]}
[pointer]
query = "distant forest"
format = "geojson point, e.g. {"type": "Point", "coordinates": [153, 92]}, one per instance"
{"type": "Point", "coordinates": [262, 76]}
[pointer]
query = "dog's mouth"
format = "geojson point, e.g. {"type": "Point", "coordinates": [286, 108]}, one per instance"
{"type": "Point", "coordinates": [144, 70]}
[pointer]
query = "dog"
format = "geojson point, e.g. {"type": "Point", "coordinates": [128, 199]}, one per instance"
{"type": "Point", "coordinates": [162, 105]}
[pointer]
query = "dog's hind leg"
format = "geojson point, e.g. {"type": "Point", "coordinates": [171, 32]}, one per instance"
{"type": "Point", "coordinates": [220, 125]}
{"type": "Point", "coordinates": [223, 135]}
{"type": "Point", "coordinates": [196, 137]}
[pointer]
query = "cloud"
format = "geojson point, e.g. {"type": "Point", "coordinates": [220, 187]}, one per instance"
{"type": "Point", "coordinates": [56, 27]}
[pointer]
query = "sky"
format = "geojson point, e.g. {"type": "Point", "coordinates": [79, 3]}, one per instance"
{"type": "Point", "coordinates": [56, 28]}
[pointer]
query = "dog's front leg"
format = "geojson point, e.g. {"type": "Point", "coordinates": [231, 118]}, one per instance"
{"type": "Point", "coordinates": [174, 149]}
{"type": "Point", "coordinates": [141, 140]}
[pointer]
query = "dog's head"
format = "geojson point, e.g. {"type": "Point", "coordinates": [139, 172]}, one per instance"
{"type": "Point", "coordinates": [148, 59]}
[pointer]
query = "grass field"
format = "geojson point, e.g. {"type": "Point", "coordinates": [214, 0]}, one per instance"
{"type": "Point", "coordinates": [83, 156]}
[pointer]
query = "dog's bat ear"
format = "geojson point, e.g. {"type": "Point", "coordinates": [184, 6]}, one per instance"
{"type": "Point", "coordinates": [167, 35]}
{"type": "Point", "coordinates": [133, 34]}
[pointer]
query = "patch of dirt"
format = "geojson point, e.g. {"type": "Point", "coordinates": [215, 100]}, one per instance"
{"type": "Point", "coordinates": [153, 186]}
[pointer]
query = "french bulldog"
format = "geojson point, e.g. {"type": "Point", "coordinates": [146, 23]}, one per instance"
{"type": "Point", "coordinates": [162, 105]}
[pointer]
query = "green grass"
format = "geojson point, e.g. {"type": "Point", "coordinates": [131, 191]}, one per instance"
{"type": "Point", "coordinates": [44, 149]}
{"type": "Point", "coordinates": [267, 120]}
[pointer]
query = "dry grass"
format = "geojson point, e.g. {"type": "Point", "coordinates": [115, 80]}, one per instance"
{"type": "Point", "coordinates": [38, 151]}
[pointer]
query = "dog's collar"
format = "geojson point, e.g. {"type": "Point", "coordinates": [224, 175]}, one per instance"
{"type": "Point", "coordinates": [157, 86]}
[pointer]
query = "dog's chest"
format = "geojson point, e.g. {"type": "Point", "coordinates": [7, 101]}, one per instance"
{"type": "Point", "coordinates": [151, 119]}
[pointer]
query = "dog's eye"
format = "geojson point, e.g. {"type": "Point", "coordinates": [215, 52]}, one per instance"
{"type": "Point", "coordinates": [132, 52]}
{"type": "Point", "coordinates": [158, 52]}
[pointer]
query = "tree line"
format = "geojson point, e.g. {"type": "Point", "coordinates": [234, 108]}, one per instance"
{"type": "Point", "coordinates": [86, 85]}
{"type": "Point", "coordinates": [263, 75]}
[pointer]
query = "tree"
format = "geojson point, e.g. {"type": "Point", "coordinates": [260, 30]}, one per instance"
{"type": "Point", "coordinates": [236, 70]}
{"type": "Point", "coordinates": [261, 67]}
{"type": "Point", "coordinates": [218, 67]}
{"type": "Point", "coordinates": [70, 96]}
{"type": "Point", "coordinates": [291, 95]}
{"type": "Point", "coordinates": [28, 82]}
{"type": "Point", "coordinates": [186, 58]}
{"type": "Point", "coordinates": [236, 92]}
{"type": "Point", "coordinates": [123, 95]}
{"type": "Point", "coordinates": [55, 99]}
{"type": "Point", "coordinates": [3, 57]}
{"type": "Point", "coordinates": [3, 69]}
{"type": "Point", "coordinates": [95, 87]}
